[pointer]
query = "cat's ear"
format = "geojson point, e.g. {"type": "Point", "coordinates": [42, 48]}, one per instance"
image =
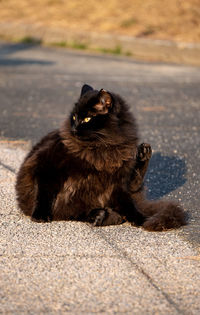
{"type": "Point", "coordinates": [86, 88]}
{"type": "Point", "coordinates": [105, 102]}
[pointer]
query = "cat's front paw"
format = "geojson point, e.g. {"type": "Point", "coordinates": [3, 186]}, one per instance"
{"type": "Point", "coordinates": [97, 216]}
{"type": "Point", "coordinates": [144, 152]}
{"type": "Point", "coordinates": [41, 218]}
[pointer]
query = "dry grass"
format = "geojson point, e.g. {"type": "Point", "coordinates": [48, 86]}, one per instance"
{"type": "Point", "coordinates": [167, 19]}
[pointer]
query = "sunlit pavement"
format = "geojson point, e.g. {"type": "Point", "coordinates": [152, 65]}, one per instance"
{"type": "Point", "coordinates": [72, 267]}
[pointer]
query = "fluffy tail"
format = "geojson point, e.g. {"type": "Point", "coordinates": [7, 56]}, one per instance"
{"type": "Point", "coordinates": [161, 215]}
{"type": "Point", "coordinates": [167, 215]}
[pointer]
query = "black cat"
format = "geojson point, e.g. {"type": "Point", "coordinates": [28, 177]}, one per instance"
{"type": "Point", "coordinates": [92, 170]}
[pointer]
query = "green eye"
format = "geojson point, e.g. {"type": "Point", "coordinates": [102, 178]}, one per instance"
{"type": "Point", "coordinates": [86, 119]}
{"type": "Point", "coordinates": [74, 117]}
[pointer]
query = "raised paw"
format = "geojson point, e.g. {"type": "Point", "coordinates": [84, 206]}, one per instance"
{"type": "Point", "coordinates": [144, 152]}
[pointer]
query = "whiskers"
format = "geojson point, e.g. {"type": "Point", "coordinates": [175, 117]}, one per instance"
{"type": "Point", "coordinates": [99, 136]}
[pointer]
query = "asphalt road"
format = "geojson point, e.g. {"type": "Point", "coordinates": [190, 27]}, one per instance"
{"type": "Point", "coordinates": [70, 267]}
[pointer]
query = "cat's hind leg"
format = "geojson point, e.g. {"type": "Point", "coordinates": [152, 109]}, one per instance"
{"type": "Point", "coordinates": [160, 215]}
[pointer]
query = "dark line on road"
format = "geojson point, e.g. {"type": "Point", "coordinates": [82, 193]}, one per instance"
{"type": "Point", "coordinates": [8, 167]}
{"type": "Point", "coordinates": [141, 270]}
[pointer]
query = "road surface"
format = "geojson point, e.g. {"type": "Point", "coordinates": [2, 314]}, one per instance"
{"type": "Point", "coordinates": [61, 267]}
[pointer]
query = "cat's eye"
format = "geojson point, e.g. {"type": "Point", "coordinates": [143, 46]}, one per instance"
{"type": "Point", "coordinates": [86, 119]}
{"type": "Point", "coordinates": [74, 117]}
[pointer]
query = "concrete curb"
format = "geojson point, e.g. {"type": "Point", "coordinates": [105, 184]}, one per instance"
{"type": "Point", "coordinates": [142, 49]}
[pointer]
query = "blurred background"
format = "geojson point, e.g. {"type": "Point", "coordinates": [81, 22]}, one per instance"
{"type": "Point", "coordinates": [167, 19]}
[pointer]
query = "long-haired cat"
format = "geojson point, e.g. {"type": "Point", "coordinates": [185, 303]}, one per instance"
{"type": "Point", "coordinates": [92, 169]}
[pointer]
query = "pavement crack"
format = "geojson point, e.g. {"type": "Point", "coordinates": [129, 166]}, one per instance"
{"type": "Point", "coordinates": [8, 167]}
{"type": "Point", "coordinates": [139, 269]}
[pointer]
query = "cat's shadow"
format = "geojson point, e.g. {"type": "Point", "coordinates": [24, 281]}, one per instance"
{"type": "Point", "coordinates": [165, 174]}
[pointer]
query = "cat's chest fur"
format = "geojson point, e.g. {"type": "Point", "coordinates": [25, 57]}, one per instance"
{"type": "Point", "coordinates": [102, 158]}
{"type": "Point", "coordinates": [98, 171]}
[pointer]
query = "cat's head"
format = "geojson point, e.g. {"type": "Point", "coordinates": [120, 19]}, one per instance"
{"type": "Point", "coordinates": [103, 117]}
{"type": "Point", "coordinates": [92, 114]}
